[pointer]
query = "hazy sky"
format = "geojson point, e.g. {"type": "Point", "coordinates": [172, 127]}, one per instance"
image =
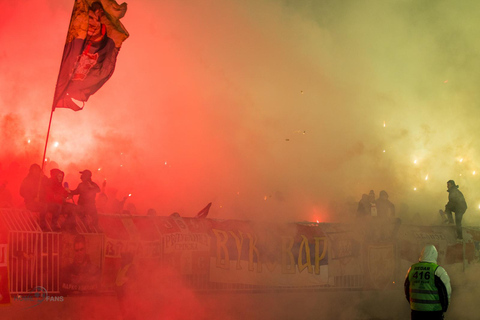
{"type": "Point", "coordinates": [267, 108]}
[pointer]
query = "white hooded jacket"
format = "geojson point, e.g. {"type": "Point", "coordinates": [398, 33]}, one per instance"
{"type": "Point", "coordinates": [430, 254]}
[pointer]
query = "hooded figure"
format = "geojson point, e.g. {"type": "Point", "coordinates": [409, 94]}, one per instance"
{"type": "Point", "coordinates": [427, 286]}
{"type": "Point", "coordinates": [32, 189]}
{"type": "Point", "coordinates": [55, 191]}
{"type": "Point", "coordinates": [55, 197]}
{"type": "Point", "coordinates": [363, 209]}
{"type": "Point", "coordinates": [385, 208]}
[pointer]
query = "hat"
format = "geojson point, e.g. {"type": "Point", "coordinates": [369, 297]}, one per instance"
{"type": "Point", "coordinates": [87, 173]}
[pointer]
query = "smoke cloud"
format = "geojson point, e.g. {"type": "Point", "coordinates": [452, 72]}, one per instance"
{"type": "Point", "coordinates": [284, 110]}
{"type": "Point", "coordinates": [280, 109]}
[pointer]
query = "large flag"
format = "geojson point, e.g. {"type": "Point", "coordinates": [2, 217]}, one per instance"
{"type": "Point", "coordinates": [93, 41]}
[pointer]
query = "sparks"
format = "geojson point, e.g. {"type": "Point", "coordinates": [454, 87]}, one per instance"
{"type": "Point", "coordinates": [28, 141]}
{"type": "Point", "coordinates": [414, 189]}
{"type": "Point", "coordinates": [461, 160]}
{"type": "Point", "coordinates": [415, 161]}
{"type": "Point", "coordinates": [55, 144]}
{"type": "Point", "coordinates": [99, 169]}
{"type": "Point", "coordinates": [473, 172]}
{"type": "Point", "coordinates": [426, 178]}
{"type": "Point", "coordinates": [384, 124]}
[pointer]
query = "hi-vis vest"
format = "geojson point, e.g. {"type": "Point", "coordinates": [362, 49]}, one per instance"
{"type": "Point", "coordinates": [423, 292]}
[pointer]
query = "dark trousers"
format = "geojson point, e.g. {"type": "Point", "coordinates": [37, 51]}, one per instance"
{"type": "Point", "coordinates": [55, 209]}
{"type": "Point", "coordinates": [458, 222]}
{"type": "Point", "coordinates": [427, 315]}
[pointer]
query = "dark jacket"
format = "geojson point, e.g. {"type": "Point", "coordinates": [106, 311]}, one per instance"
{"type": "Point", "coordinates": [87, 192]}
{"type": "Point", "coordinates": [456, 201]}
{"type": "Point", "coordinates": [32, 188]}
{"type": "Point", "coordinates": [54, 190]}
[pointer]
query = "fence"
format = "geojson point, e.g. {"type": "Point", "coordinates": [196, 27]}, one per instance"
{"type": "Point", "coordinates": [34, 258]}
{"type": "Point", "coordinates": [217, 255]}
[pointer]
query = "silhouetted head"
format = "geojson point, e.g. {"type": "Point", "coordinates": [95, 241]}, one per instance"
{"type": "Point", "coordinates": [371, 196]}
{"type": "Point", "coordinates": [451, 184]}
{"type": "Point", "coordinates": [86, 175]}
{"type": "Point", "coordinates": [57, 174]}
{"type": "Point", "coordinates": [34, 169]}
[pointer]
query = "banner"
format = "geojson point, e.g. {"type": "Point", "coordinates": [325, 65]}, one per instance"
{"type": "Point", "coordinates": [4, 276]}
{"type": "Point", "coordinates": [94, 39]}
{"type": "Point", "coordinates": [268, 254]}
{"type": "Point", "coordinates": [81, 263]}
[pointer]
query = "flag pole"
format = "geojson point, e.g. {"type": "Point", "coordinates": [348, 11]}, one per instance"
{"type": "Point", "coordinates": [46, 140]}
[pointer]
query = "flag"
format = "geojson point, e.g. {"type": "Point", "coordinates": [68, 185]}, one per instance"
{"type": "Point", "coordinates": [204, 212]}
{"type": "Point", "coordinates": [93, 41]}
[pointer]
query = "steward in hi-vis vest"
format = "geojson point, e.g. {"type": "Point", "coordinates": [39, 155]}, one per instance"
{"type": "Point", "coordinates": [427, 286]}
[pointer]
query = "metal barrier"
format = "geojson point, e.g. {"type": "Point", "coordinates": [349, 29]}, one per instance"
{"type": "Point", "coordinates": [34, 256]}
{"type": "Point", "coordinates": [359, 256]}
{"type": "Point", "coordinates": [34, 261]}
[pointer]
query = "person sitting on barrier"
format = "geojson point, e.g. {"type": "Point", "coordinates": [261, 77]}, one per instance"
{"type": "Point", "coordinates": [55, 196]}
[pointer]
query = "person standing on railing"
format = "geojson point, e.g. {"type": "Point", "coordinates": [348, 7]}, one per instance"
{"type": "Point", "coordinates": [456, 203]}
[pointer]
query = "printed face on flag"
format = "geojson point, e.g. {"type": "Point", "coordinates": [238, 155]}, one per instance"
{"type": "Point", "coordinates": [94, 24]}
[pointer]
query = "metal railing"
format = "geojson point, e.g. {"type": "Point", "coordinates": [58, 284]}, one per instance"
{"type": "Point", "coordinates": [34, 256]}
